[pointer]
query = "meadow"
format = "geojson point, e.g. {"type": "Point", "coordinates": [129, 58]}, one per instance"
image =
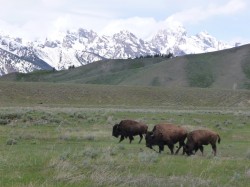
{"type": "Point", "coordinates": [60, 134]}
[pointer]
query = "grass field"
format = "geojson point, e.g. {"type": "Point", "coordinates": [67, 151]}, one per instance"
{"type": "Point", "coordinates": [74, 147]}
{"type": "Point", "coordinates": [82, 95]}
{"type": "Point", "coordinates": [60, 135]}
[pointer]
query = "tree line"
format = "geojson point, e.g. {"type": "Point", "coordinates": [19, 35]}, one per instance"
{"type": "Point", "coordinates": [169, 55]}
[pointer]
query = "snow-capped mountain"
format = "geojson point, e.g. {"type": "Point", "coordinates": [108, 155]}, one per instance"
{"type": "Point", "coordinates": [82, 46]}
{"type": "Point", "coordinates": [177, 41]}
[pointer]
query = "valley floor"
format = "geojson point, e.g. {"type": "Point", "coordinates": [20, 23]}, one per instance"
{"type": "Point", "coordinates": [73, 146]}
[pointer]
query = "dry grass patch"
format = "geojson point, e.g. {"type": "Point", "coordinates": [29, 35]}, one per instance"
{"type": "Point", "coordinates": [65, 171]}
{"type": "Point", "coordinates": [118, 176]}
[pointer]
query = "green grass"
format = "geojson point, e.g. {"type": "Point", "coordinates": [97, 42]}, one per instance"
{"type": "Point", "coordinates": [246, 68]}
{"type": "Point", "coordinates": [34, 76]}
{"type": "Point", "coordinates": [200, 74]}
{"type": "Point", "coordinates": [82, 95]}
{"type": "Point", "coordinates": [87, 73]}
{"type": "Point", "coordinates": [74, 147]}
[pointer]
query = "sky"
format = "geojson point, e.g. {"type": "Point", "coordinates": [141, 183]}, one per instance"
{"type": "Point", "coordinates": [227, 20]}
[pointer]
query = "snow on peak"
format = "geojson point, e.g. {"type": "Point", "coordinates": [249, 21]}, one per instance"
{"type": "Point", "coordinates": [78, 47]}
{"type": "Point", "coordinates": [124, 35]}
{"type": "Point", "coordinates": [86, 34]}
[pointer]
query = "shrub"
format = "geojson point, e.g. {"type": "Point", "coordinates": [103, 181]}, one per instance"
{"type": "Point", "coordinates": [11, 142]}
{"type": "Point", "coordinates": [248, 173]}
{"type": "Point", "coordinates": [113, 152]}
{"type": "Point", "coordinates": [121, 147]}
{"type": "Point", "coordinates": [55, 120]}
{"type": "Point", "coordinates": [148, 157]}
{"type": "Point", "coordinates": [90, 138]}
{"type": "Point", "coordinates": [64, 156]}
{"type": "Point", "coordinates": [197, 121]}
{"type": "Point", "coordinates": [156, 81]}
{"type": "Point", "coordinates": [110, 120]}
{"type": "Point", "coordinates": [246, 68]}
{"type": "Point", "coordinates": [199, 74]}
{"type": "Point", "coordinates": [90, 152]}
{"type": "Point", "coordinates": [80, 116]}
{"type": "Point", "coordinates": [248, 154]}
{"type": "Point", "coordinates": [11, 116]}
{"type": "Point", "coordinates": [4, 121]}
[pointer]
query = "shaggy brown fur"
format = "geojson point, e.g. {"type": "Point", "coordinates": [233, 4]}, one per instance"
{"type": "Point", "coordinates": [129, 128]}
{"type": "Point", "coordinates": [197, 138]}
{"type": "Point", "coordinates": [166, 134]}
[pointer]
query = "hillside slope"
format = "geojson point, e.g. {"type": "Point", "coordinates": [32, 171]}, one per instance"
{"type": "Point", "coordinates": [228, 69]}
{"type": "Point", "coordinates": [83, 95]}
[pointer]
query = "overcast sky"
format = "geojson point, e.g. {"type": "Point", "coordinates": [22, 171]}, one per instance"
{"type": "Point", "coordinates": [227, 20]}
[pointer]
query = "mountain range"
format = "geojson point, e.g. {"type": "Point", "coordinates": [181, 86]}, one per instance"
{"type": "Point", "coordinates": [225, 69]}
{"type": "Point", "coordinates": [80, 47]}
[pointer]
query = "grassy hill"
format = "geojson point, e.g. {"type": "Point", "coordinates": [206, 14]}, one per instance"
{"type": "Point", "coordinates": [229, 69]}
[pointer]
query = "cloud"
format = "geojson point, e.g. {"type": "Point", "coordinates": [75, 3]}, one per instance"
{"type": "Point", "coordinates": [53, 3]}
{"type": "Point", "coordinates": [136, 25]}
{"type": "Point", "coordinates": [233, 6]}
{"type": "Point", "coordinates": [141, 27]}
{"type": "Point", "coordinates": [197, 14]}
{"type": "Point", "coordinates": [41, 18]}
{"type": "Point", "coordinates": [147, 26]}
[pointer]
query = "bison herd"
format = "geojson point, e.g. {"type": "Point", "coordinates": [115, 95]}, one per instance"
{"type": "Point", "coordinates": [167, 134]}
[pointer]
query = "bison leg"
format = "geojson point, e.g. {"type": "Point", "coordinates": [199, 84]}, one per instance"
{"type": "Point", "coordinates": [122, 138]}
{"type": "Point", "coordinates": [181, 144]}
{"type": "Point", "coordinates": [140, 138]}
{"type": "Point", "coordinates": [171, 147]}
{"type": "Point", "coordinates": [161, 148]}
{"type": "Point", "coordinates": [214, 149]}
{"type": "Point", "coordinates": [177, 151]}
{"type": "Point", "coordinates": [201, 149]}
{"type": "Point", "coordinates": [130, 139]}
{"type": "Point", "coordinates": [183, 151]}
{"type": "Point", "coordinates": [195, 149]}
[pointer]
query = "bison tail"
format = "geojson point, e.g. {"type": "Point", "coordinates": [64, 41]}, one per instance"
{"type": "Point", "coordinates": [218, 138]}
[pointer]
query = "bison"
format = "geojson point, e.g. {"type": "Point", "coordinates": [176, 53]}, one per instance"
{"type": "Point", "coordinates": [166, 134]}
{"type": "Point", "coordinates": [129, 128]}
{"type": "Point", "coordinates": [197, 138]}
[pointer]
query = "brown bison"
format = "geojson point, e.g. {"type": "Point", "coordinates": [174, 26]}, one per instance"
{"type": "Point", "coordinates": [129, 128]}
{"type": "Point", "coordinates": [166, 134]}
{"type": "Point", "coordinates": [197, 138]}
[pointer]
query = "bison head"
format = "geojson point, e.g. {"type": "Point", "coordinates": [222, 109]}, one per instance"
{"type": "Point", "coordinates": [116, 131]}
{"type": "Point", "coordinates": [188, 149]}
{"type": "Point", "coordinates": [149, 140]}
